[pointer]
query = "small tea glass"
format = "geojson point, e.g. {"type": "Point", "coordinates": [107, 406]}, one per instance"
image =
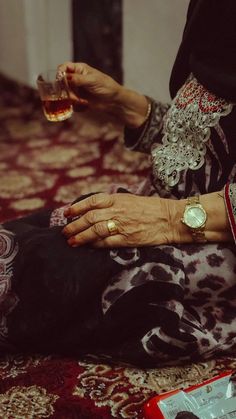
{"type": "Point", "coordinates": [55, 96]}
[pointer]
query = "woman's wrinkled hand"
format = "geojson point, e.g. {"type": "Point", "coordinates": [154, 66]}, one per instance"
{"type": "Point", "coordinates": [91, 88]}
{"type": "Point", "coordinates": [90, 85]}
{"type": "Point", "coordinates": [140, 221]}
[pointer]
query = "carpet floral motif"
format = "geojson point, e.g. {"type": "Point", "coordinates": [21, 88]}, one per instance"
{"type": "Point", "coordinates": [68, 193]}
{"type": "Point", "coordinates": [108, 386]}
{"type": "Point", "coordinates": [12, 366]}
{"type": "Point", "coordinates": [125, 389]}
{"type": "Point", "coordinates": [17, 184]}
{"type": "Point", "coordinates": [26, 402]}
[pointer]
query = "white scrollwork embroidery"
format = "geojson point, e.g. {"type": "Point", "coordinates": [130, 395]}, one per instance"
{"type": "Point", "coordinates": [187, 124]}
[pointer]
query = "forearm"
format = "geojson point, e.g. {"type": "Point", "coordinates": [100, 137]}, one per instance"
{"type": "Point", "coordinates": [130, 107]}
{"type": "Point", "coordinates": [217, 227]}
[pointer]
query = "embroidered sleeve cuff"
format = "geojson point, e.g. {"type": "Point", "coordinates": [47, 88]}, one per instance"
{"type": "Point", "coordinates": [142, 138]}
{"type": "Point", "coordinates": [230, 202]}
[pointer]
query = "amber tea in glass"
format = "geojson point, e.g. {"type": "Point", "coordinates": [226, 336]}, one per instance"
{"type": "Point", "coordinates": [54, 94]}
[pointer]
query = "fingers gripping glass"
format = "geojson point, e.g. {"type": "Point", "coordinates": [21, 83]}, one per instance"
{"type": "Point", "coordinates": [54, 94]}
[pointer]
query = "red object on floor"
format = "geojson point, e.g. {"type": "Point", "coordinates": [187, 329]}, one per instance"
{"type": "Point", "coordinates": [152, 410]}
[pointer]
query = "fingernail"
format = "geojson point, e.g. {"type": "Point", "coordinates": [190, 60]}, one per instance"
{"type": "Point", "coordinates": [67, 212]}
{"type": "Point", "coordinates": [72, 242]}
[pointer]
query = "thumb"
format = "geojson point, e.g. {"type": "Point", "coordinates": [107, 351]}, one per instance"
{"type": "Point", "coordinates": [79, 103]}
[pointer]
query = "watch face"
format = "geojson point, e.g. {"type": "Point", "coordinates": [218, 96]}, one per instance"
{"type": "Point", "coordinates": [195, 217]}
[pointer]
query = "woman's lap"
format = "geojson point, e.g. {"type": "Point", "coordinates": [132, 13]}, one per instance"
{"type": "Point", "coordinates": [160, 303]}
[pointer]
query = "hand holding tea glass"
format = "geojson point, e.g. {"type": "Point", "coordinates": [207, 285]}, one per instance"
{"type": "Point", "coordinates": [55, 96]}
{"type": "Point", "coordinates": [91, 88]}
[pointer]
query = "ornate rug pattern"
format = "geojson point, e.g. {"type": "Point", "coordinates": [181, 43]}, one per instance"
{"type": "Point", "coordinates": [44, 164]}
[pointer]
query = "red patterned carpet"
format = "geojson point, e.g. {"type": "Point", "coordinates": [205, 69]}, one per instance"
{"type": "Point", "coordinates": [46, 164]}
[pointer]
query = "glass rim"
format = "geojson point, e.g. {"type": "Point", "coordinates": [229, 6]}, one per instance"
{"type": "Point", "coordinates": [44, 76]}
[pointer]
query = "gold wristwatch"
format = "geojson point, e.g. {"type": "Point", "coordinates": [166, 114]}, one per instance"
{"type": "Point", "coordinates": [195, 218]}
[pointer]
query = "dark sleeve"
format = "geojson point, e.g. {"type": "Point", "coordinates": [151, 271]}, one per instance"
{"type": "Point", "coordinates": [142, 138]}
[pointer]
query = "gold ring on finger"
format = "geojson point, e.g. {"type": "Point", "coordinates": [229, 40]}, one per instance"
{"type": "Point", "coordinates": [112, 227]}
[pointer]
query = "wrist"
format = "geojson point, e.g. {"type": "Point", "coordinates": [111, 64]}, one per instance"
{"type": "Point", "coordinates": [216, 228]}
{"type": "Point", "coordinates": [217, 225]}
{"type": "Point", "coordinates": [131, 107]}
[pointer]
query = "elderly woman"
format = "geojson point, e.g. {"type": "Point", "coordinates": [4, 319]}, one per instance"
{"type": "Point", "coordinates": [144, 275]}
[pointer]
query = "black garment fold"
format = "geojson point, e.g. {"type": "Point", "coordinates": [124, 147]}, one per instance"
{"type": "Point", "coordinates": [208, 48]}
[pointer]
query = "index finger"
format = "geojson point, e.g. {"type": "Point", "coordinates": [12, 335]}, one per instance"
{"type": "Point", "coordinates": [96, 201]}
{"type": "Point", "coordinates": [68, 67]}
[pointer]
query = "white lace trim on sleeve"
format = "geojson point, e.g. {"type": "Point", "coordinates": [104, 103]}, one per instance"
{"type": "Point", "coordinates": [187, 125]}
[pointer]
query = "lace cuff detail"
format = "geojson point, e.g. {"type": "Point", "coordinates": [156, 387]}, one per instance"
{"type": "Point", "coordinates": [142, 138]}
{"type": "Point", "coordinates": [186, 132]}
{"type": "Point", "coordinates": [230, 201]}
